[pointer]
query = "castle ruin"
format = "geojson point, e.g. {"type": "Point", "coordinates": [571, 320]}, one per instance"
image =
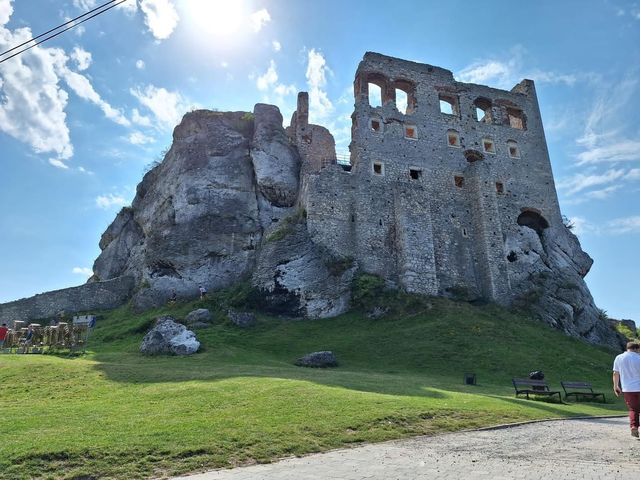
{"type": "Point", "coordinates": [448, 191]}
{"type": "Point", "coordinates": [434, 191]}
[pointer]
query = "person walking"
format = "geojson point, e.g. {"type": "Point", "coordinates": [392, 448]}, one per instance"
{"type": "Point", "coordinates": [203, 292]}
{"type": "Point", "coordinates": [3, 334]}
{"type": "Point", "coordinates": [626, 381]}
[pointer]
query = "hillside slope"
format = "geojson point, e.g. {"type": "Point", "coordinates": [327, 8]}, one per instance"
{"type": "Point", "coordinates": [117, 414]}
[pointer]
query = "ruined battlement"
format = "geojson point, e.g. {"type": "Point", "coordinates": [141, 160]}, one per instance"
{"type": "Point", "coordinates": [443, 173]}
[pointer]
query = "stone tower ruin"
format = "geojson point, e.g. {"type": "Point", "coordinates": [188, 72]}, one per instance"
{"type": "Point", "coordinates": [434, 191]}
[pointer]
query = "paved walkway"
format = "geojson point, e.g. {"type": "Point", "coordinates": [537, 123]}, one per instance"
{"type": "Point", "coordinates": [567, 449]}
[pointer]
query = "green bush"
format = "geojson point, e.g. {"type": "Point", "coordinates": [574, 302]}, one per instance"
{"type": "Point", "coordinates": [366, 288]}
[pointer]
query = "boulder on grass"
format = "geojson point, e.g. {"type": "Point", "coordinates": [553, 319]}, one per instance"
{"type": "Point", "coordinates": [168, 337]}
{"type": "Point", "coordinates": [242, 319]}
{"type": "Point", "coordinates": [200, 318]}
{"type": "Point", "coordinates": [318, 360]}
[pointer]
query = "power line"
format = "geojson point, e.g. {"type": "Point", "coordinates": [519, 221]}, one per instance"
{"type": "Point", "coordinates": [72, 22]}
{"type": "Point", "coordinates": [57, 28]}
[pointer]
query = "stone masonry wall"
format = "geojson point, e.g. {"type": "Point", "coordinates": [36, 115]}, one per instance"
{"type": "Point", "coordinates": [424, 212]}
{"type": "Point", "coordinates": [90, 296]}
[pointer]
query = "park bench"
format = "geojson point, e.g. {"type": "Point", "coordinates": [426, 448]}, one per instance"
{"type": "Point", "coordinates": [527, 386]}
{"type": "Point", "coordinates": [580, 390]}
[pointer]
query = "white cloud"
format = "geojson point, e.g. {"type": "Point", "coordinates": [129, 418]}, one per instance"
{"type": "Point", "coordinates": [625, 225]}
{"type": "Point", "coordinates": [621, 151]}
{"type": "Point", "coordinates": [58, 163]}
{"type": "Point", "coordinates": [276, 46]}
{"type": "Point", "coordinates": [80, 30]}
{"type": "Point", "coordinates": [140, 64]}
{"type": "Point", "coordinates": [319, 104]}
{"type": "Point", "coordinates": [84, 4]}
{"type": "Point", "coordinates": [603, 139]}
{"type": "Point", "coordinates": [580, 225]}
{"type": "Point", "coordinates": [274, 92]}
{"type": "Point", "coordinates": [6, 10]}
{"type": "Point", "coordinates": [167, 107]}
{"type": "Point", "coordinates": [129, 7]}
{"type": "Point", "coordinates": [259, 19]}
{"type": "Point", "coordinates": [33, 104]}
{"type": "Point", "coordinates": [138, 138]}
{"type": "Point", "coordinates": [82, 58]}
{"type": "Point", "coordinates": [581, 182]}
{"type": "Point", "coordinates": [505, 73]}
{"type": "Point", "coordinates": [85, 271]}
{"type": "Point", "coordinates": [83, 88]}
{"type": "Point", "coordinates": [139, 119]}
{"type": "Point", "coordinates": [160, 16]}
{"type": "Point", "coordinates": [110, 200]}
{"type": "Point", "coordinates": [269, 78]}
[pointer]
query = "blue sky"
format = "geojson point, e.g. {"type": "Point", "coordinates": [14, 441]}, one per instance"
{"type": "Point", "coordinates": [83, 115]}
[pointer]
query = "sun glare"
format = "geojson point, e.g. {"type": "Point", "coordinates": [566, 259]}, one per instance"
{"type": "Point", "coordinates": [217, 17]}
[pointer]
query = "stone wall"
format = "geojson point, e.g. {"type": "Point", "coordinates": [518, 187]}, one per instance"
{"type": "Point", "coordinates": [88, 297]}
{"type": "Point", "coordinates": [423, 211]}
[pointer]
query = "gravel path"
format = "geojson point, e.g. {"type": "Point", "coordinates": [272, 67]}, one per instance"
{"type": "Point", "coordinates": [567, 449]}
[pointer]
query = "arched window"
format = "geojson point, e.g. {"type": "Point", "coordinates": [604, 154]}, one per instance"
{"type": "Point", "coordinates": [512, 147]}
{"type": "Point", "coordinates": [483, 110]}
{"type": "Point", "coordinates": [516, 118]}
{"type": "Point", "coordinates": [533, 220]}
{"type": "Point", "coordinates": [473, 156]}
{"type": "Point", "coordinates": [453, 138]}
{"type": "Point", "coordinates": [375, 95]}
{"type": "Point", "coordinates": [449, 104]}
{"type": "Point", "coordinates": [405, 93]}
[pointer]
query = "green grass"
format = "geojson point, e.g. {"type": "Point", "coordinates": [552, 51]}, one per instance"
{"type": "Point", "coordinates": [116, 414]}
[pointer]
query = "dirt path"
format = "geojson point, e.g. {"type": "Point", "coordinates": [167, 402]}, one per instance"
{"type": "Point", "coordinates": [567, 449]}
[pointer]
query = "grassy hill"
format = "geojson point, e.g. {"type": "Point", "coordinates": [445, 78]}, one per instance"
{"type": "Point", "coordinates": [116, 414]}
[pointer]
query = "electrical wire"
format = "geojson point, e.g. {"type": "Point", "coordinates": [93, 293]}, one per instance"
{"type": "Point", "coordinates": [111, 3]}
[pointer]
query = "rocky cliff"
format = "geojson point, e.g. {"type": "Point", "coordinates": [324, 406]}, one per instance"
{"type": "Point", "coordinates": [225, 206]}
{"type": "Point", "coordinates": [222, 208]}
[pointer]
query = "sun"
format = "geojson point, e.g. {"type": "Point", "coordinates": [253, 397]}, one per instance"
{"type": "Point", "coordinates": [220, 18]}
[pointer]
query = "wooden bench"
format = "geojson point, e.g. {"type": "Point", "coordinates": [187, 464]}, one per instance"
{"type": "Point", "coordinates": [526, 386]}
{"type": "Point", "coordinates": [580, 390]}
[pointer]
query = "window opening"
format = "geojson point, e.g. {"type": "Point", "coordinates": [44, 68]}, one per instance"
{"type": "Point", "coordinates": [415, 173]}
{"type": "Point", "coordinates": [375, 95]}
{"type": "Point", "coordinates": [488, 145]}
{"type": "Point", "coordinates": [459, 181]}
{"type": "Point", "coordinates": [483, 110]}
{"type": "Point", "coordinates": [453, 138]}
{"type": "Point", "coordinates": [499, 187]}
{"type": "Point", "coordinates": [402, 101]}
{"type": "Point", "coordinates": [449, 105]}
{"type": "Point", "coordinates": [410, 132]}
{"type": "Point", "coordinates": [472, 156]}
{"type": "Point", "coordinates": [376, 126]}
{"type": "Point", "coordinates": [516, 118]}
{"type": "Point", "coordinates": [533, 220]}
{"type": "Point", "coordinates": [514, 151]}
{"type": "Point", "coordinates": [378, 168]}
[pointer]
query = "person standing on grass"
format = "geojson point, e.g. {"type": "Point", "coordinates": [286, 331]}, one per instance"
{"type": "Point", "coordinates": [3, 334]}
{"type": "Point", "coordinates": [203, 292]}
{"type": "Point", "coordinates": [626, 374]}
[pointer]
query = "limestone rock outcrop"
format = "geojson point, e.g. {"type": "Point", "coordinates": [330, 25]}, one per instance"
{"type": "Point", "coordinates": [168, 337]}
{"type": "Point", "coordinates": [323, 359]}
{"type": "Point", "coordinates": [199, 318]}
{"type": "Point", "coordinates": [298, 278]}
{"type": "Point", "coordinates": [546, 271]}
